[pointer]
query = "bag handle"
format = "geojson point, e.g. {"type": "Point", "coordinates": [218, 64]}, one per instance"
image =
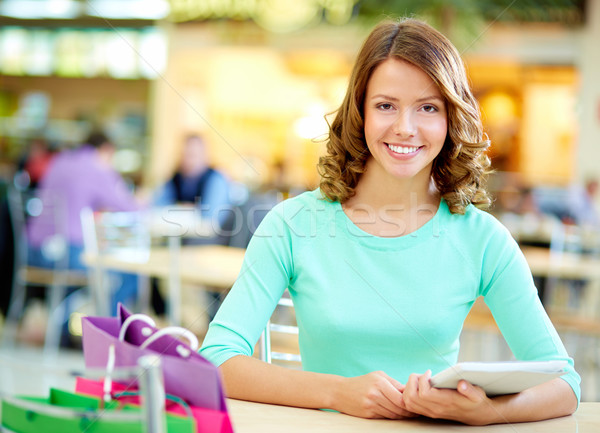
{"type": "Point", "coordinates": [67, 412]}
{"type": "Point", "coordinates": [174, 330]}
{"type": "Point", "coordinates": [183, 351]}
{"type": "Point", "coordinates": [169, 397]}
{"type": "Point", "coordinates": [110, 367]}
{"type": "Point", "coordinates": [145, 331]}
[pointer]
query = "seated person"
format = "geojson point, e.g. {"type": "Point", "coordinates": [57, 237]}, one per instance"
{"type": "Point", "coordinates": [196, 183]}
{"type": "Point", "coordinates": [199, 185]}
{"type": "Point", "coordinates": [384, 261]}
{"type": "Point", "coordinates": [76, 179]}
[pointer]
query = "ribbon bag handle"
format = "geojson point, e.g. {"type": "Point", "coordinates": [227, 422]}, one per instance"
{"type": "Point", "coordinates": [110, 364]}
{"type": "Point", "coordinates": [169, 330]}
{"type": "Point", "coordinates": [176, 331]}
{"type": "Point", "coordinates": [146, 332]}
{"type": "Point", "coordinates": [168, 397]}
{"type": "Point", "coordinates": [110, 367]}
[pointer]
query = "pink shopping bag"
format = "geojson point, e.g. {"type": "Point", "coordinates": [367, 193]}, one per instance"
{"type": "Point", "coordinates": [187, 374]}
{"type": "Point", "coordinates": [207, 420]}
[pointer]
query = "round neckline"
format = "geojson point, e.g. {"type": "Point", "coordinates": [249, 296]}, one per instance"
{"type": "Point", "coordinates": [431, 228]}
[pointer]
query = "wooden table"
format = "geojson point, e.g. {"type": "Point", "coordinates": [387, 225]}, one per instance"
{"type": "Point", "coordinates": [211, 265]}
{"type": "Point", "coordinates": [208, 265]}
{"type": "Point", "coordinates": [569, 265]}
{"type": "Point", "coordinates": [248, 417]}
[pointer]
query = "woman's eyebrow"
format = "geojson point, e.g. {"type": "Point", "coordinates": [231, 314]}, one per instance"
{"type": "Point", "coordinates": [381, 95]}
{"type": "Point", "coordinates": [429, 98]}
{"type": "Point", "coordinates": [392, 98]}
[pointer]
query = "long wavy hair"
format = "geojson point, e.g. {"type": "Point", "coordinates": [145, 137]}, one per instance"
{"type": "Point", "coordinates": [459, 170]}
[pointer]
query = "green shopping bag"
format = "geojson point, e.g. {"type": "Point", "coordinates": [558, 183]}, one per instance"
{"type": "Point", "coordinates": [66, 412]}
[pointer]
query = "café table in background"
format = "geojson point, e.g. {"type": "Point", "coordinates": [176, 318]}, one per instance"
{"type": "Point", "coordinates": [208, 265]}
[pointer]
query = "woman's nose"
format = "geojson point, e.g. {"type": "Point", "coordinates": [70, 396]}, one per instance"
{"type": "Point", "coordinates": [404, 124]}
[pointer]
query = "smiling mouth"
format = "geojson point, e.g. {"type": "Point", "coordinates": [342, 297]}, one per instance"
{"type": "Point", "coordinates": [404, 150]}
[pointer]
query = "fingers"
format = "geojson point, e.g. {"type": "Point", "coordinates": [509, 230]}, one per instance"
{"type": "Point", "coordinates": [473, 393]}
{"type": "Point", "coordinates": [390, 390]}
{"type": "Point", "coordinates": [390, 397]}
{"type": "Point", "coordinates": [413, 400]}
{"type": "Point", "coordinates": [374, 395]}
{"type": "Point", "coordinates": [420, 397]}
{"type": "Point", "coordinates": [398, 385]}
{"type": "Point", "coordinates": [423, 383]}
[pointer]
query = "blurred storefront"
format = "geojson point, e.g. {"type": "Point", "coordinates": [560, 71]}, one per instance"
{"type": "Point", "coordinates": [259, 97]}
{"type": "Point", "coordinates": [67, 68]}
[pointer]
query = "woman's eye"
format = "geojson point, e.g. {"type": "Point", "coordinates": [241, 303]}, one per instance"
{"type": "Point", "coordinates": [384, 106]}
{"type": "Point", "coordinates": [430, 108]}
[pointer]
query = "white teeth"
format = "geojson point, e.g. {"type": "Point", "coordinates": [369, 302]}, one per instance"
{"type": "Point", "coordinates": [402, 149]}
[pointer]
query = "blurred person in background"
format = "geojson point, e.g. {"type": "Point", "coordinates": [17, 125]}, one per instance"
{"type": "Point", "coordinates": [196, 183]}
{"type": "Point", "coordinates": [201, 187]}
{"type": "Point", "coordinates": [582, 204]}
{"type": "Point", "coordinates": [76, 179]}
{"type": "Point", "coordinates": [36, 161]}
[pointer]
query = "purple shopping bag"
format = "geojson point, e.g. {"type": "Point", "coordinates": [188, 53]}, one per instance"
{"type": "Point", "coordinates": [187, 374]}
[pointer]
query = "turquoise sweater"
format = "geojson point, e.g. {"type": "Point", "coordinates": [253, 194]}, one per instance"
{"type": "Point", "coordinates": [366, 303]}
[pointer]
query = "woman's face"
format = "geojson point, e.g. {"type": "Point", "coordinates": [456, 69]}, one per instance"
{"type": "Point", "coordinates": [405, 120]}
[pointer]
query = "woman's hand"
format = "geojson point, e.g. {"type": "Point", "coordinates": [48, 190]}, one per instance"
{"type": "Point", "coordinates": [468, 404]}
{"type": "Point", "coordinates": [374, 395]}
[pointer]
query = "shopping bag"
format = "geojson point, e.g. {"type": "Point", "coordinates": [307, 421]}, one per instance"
{"type": "Point", "coordinates": [66, 412]}
{"type": "Point", "coordinates": [207, 420]}
{"type": "Point", "coordinates": [187, 374]}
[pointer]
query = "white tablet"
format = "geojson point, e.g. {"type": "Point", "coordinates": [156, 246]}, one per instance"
{"type": "Point", "coordinates": [498, 378]}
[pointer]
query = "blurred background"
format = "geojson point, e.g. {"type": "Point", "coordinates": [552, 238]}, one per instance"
{"type": "Point", "coordinates": [257, 80]}
{"type": "Point", "coordinates": [257, 77]}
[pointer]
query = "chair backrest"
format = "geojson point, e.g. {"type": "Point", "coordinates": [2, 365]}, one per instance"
{"type": "Point", "coordinates": [575, 249]}
{"type": "Point", "coordinates": [121, 235]}
{"type": "Point", "coordinates": [246, 217]}
{"type": "Point", "coordinates": [48, 215]}
{"type": "Point", "coordinates": [51, 267]}
{"type": "Point", "coordinates": [282, 332]}
{"type": "Point", "coordinates": [17, 214]}
{"type": "Point", "coordinates": [567, 238]}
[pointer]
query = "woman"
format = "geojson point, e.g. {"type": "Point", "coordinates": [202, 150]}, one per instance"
{"type": "Point", "coordinates": [384, 261]}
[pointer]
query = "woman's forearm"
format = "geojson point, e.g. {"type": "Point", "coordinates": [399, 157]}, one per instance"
{"type": "Point", "coordinates": [549, 400]}
{"type": "Point", "coordinates": [248, 378]}
{"type": "Point", "coordinates": [373, 395]}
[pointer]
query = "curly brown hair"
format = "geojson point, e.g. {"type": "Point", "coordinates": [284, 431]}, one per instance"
{"type": "Point", "coordinates": [459, 170]}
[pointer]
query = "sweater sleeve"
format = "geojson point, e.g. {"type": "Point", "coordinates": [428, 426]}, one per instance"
{"type": "Point", "coordinates": [265, 274]}
{"type": "Point", "coordinates": [509, 291]}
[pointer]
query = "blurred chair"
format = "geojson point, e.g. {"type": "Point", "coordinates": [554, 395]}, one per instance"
{"type": "Point", "coordinates": [246, 217]}
{"type": "Point", "coordinates": [55, 251]}
{"type": "Point", "coordinates": [576, 250]}
{"type": "Point", "coordinates": [281, 330]}
{"type": "Point", "coordinates": [121, 235]}
{"type": "Point", "coordinates": [573, 298]}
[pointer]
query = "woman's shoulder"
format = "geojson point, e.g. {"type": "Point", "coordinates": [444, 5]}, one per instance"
{"type": "Point", "coordinates": [307, 201]}
{"type": "Point", "coordinates": [300, 213]}
{"type": "Point", "coordinates": [478, 222]}
{"type": "Point", "coordinates": [478, 234]}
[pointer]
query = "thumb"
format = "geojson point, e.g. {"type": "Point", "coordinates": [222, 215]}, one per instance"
{"type": "Point", "coordinates": [468, 390]}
